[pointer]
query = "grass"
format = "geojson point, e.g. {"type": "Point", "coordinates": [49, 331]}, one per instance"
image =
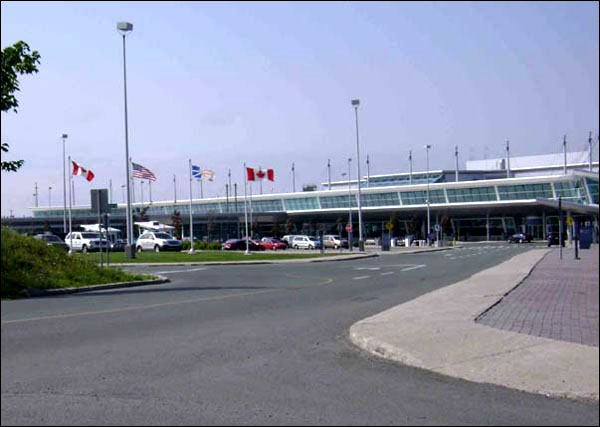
{"type": "Point", "coordinates": [28, 263]}
{"type": "Point", "coordinates": [200, 256]}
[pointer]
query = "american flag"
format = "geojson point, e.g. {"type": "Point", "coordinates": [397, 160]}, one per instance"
{"type": "Point", "coordinates": [140, 171]}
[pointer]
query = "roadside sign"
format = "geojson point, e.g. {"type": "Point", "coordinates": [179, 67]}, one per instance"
{"type": "Point", "coordinates": [389, 226]}
{"type": "Point", "coordinates": [349, 228]}
{"type": "Point", "coordinates": [569, 221]}
{"type": "Point", "coordinates": [436, 227]}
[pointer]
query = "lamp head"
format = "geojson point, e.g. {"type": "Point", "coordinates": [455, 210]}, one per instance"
{"type": "Point", "coordinates": [124, 26]}
{"type": "Point", "coordinates": [355, 102]}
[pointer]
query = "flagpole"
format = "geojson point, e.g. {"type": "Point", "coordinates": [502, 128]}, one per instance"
{"type": "Point", "coordinates": [246, 207]}
{"type": "Point", "coordinates": [201, 189]}
{"type": "Point", "coordinates": [191, 251]}
{"type": "Point", "coordinates": [150, 191]}
{"type": "Point", "coordinates": [70, 207]}
{"type": "Point", "coordinates": [251, 224]}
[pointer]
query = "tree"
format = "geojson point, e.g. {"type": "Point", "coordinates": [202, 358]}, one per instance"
{"type": "Point", "coordinates": [16, 60]}
{"type": "Point", "coordinates": [176, 222]}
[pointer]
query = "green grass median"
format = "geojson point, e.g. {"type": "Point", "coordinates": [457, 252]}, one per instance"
{"type": "Point", "coordinates": [201, 256]}
{"type": "Point", "coordinates": [29, 264]}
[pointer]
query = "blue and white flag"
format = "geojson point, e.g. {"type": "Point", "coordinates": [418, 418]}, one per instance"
{"type": "Point", "coordinates": [202, 174]}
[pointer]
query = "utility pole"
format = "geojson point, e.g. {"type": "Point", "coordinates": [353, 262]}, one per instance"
{"type": "Point", "coordinates": [565, 154]}
{"type": "Point", "coordinates": [507, 158]}
{"type": "Point", "coordinates": [456, 158]}
{"type": "Point", "coordinates": [410, 166]}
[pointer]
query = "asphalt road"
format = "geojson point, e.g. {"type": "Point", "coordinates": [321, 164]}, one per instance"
{"type": "Point", "coordinates": [264, 344]}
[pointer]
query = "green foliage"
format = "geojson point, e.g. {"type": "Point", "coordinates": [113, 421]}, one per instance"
{"type": "Point", "coordinates": [201, 246]}
{"type": "Point", "coordinates": [16, 60]}
{"type": "Point", "coordinates": [28, 263]}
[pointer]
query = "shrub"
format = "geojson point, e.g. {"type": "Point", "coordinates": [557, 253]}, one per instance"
{"type": "Point", "coordinates": [28, 263]}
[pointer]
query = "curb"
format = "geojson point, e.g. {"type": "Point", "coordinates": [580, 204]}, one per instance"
{"type": "Point", "coordinates": [75, 290]}
{"type": "Point", "coordinates": [258, 262]}
{"type": "Point", "coordinates": [437, 332]}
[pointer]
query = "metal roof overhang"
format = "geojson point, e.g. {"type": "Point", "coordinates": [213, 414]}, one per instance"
{"type": "Point", "coordinates": [579, 208]}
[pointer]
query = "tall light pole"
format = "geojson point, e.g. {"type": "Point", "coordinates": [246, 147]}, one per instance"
{"type": "Point", "coordinates": [590, 149]}
{"type": "Point", "coordinates": [456, 156]}
{"type": "Point", "coordinates": [410, 167]}
{"type": "Point", "coordinates": [49, 197]}
{"type": "Point", "coordinates": [361, 242]}
{"type": "Point", "coordinates": [507, 158]}
{"type": "Point", "coordinates": [368, 172]}
{"type": "Point", "coordinates": [64, 136]}
{"type": "Point", "coordinates": [123, 188]}
{"type": "Point", "coordinates": [427, 148]}
{"type": "Point", "coordinates": [329, 173]}
{"type": "Point", "coordinates": [36, 195]}
{"type": "Point", "coordinates": [124, 28]}
{"type": "Point", "coordinates": [293, 178]}
{"type": "Point", "coordinates": [565, 154]}
{"type": "Point", "coordinates": [350, 205]}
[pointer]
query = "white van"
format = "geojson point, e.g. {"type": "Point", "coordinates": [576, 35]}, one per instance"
{"type": "Point", "coordinates": [302, 242]}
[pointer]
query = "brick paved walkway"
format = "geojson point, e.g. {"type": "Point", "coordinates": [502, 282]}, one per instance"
{"type": "Point", "coordinates": [559, 300]}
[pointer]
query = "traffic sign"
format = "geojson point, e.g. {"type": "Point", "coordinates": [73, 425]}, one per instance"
{"type": "Point", "coordinates": [436, 227]}
{"type": "Point", "coordinates": [389, 226]}
{"type": "Point", "coordinates": [349, 228]}
{"type": "Point", "coordinates": [569, 221]}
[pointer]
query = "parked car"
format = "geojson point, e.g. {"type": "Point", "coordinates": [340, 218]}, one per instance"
{"type": "Point", "coordinates": [270, 243]}
{"type": "Point", "coordinates": [303, 242]}
{"type": "Point", "coordinates": [157, 241]}
{"type": "Point", "coordinates": [335, 242]}
{"type": "Point", "coordinates": [85, 241]}
{"type": "Point", "coordinates": [553, 239]}
{"type": "Point", "coordinates": [240, 245]}
{"type": "Point", "coordinates": [316, 241]}
{"type": "Point", "coordinates": [519, 238]}
{"type": "Point", "coordinates": [287, 239]}
{"type": "Point", "coordinates": [118, 245]}
{"type": "Point", "coordinates": [52, 240]}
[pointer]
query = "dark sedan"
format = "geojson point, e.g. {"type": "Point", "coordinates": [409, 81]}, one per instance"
{"type": "Point", "coordinates": [52, 240]}
{"type": "Point", "coordinates": [240, 245]}
{"type": "Point", "coordinates": [118, 246]}
{"type": "Point", "coordinates": [519, 238]}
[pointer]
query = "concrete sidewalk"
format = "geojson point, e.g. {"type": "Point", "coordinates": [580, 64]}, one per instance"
{"type": "Point", "coordinates": [438, 332]}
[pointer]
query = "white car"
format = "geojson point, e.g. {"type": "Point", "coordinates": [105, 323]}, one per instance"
{"type": "Point", "coordinates": [302, 242]}
{"type": "Point", "coordinates": [157, 242]}
{"type": "Point", "coordinates": [85, 241]}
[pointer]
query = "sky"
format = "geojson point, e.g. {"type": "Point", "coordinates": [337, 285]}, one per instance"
{"type": "Point", "coordinates": [270, 84]}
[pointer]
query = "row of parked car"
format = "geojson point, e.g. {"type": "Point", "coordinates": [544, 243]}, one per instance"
{"type": "Point", "coordinates": [83, 241]}
{"type": "Point", "coordinates": [288, 241]}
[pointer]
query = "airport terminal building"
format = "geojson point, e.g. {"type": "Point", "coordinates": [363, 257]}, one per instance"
{"type": "Point", "coordinates": [488, 200]}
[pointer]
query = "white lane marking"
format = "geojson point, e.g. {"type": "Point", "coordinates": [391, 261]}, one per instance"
{"type": "Point", "coordinates": [387, 274]}
{"type": "Point", "coordinates": [361, 277]}
{"type": "Point", "coordinates": [414, 268]}
{"type": "Point", "coordinates": [181, 271]}
{"type": "Point", "coordinates": [141, 307]}
{"type": "Point", "coordinates": [367, 268]}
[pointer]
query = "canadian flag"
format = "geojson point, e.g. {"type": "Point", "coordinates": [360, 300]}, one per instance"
{"type": "Point", "coordinates": [260, 174]}
{"type": "Point", "coordinates": [78, 170]}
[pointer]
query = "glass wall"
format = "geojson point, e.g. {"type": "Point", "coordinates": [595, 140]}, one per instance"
{"type": "Point", "coordinates": [304, 204]}
{"type": "Point", "coordinates": [593, 189]}
{"type": "Point", "coordinates": [420, 197]}
{"type": "Point", "coordinates": [477, 194]}
{"type": "Point", "coordinates": [380, 199]}
{"type": "Point", "coordinates": [337, 202]}
{"type": "Point", "coordinates": [571, 191]}
{"type": "Point", "coordinates": [525, 191]}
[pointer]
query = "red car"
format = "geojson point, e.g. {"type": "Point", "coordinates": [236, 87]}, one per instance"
{"type": "Point", "coordinates": [268, 243]}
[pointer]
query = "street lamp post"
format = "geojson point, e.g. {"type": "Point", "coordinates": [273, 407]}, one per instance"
{"type": "Point", "coordinates": [49, 197]}
{"type": "Point", "coordinates": [64, 136]}
{"type": "Point", "coordinates": [124, 28]}
{"type": "Point", "coordinates": [427, 148]}
{"type": "Point", "coordinates": [350, 234]}
{"type": "Point", "coordinates": [361, 242]}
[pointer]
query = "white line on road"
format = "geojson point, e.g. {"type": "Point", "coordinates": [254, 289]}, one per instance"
{"type": "Point", "coordinates": [367, 268]}
{"type": "Point", "coordinates": [414, 268]}
{"type": "Point", "coordinates": [181, 271]}
{"type": "Point", "coordinates": [361, 277]}
{"type": "Point", "coordinates": [387, 274]}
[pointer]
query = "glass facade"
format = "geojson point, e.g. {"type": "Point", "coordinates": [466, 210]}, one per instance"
{"type": "Point", "coordinates": [380, 199]}
{"type": "Point", "coordinates": [337, 202]}
{"type": "Point", "coordinates": [420, 197]}
{"type": "Point", "coordinates": [389, 181]}
{"type": "Point", "coordinates": [304, 204]}
{"type": "Point", "coordinates": [593, 189]}
{"type": "Point", "coordinates": [466, 195]}
{"type": "Point", "coordinates": [571, 191]}
{"type": "Point", "coordinates": [525, 191]}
